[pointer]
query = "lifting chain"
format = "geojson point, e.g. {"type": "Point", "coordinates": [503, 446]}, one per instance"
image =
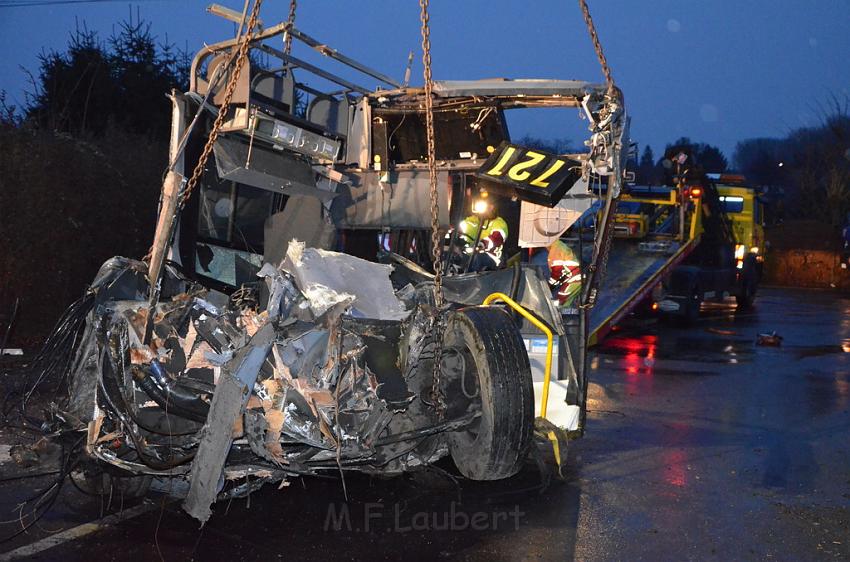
{"type": "Point", "coordinates": [597, 46]}
{"type": "Point", "coordinates": [599, 264]}
{"type": "Point", "coordinates": [605, 249]}
{"type": "Point", "coordinates": [436, 247]}
{"type": "Point", "coordinates": [222, 112]}
{"type": "Point", "coordinates": [287, 42]}
{"type": "Point", "coordinates": [597, 270]}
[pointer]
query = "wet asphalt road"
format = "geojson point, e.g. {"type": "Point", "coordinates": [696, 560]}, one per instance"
{"type": "Point", "coordinates": [699, 445]}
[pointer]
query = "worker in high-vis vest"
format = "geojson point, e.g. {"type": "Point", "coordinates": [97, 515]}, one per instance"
{"type": "Point", "coordinates": [483, 235]}
{"type": "Point", "coordinates": [564, 273]}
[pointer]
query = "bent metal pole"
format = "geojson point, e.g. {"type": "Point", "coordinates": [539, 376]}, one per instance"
{"type": "Point", "coordinates": [172, 200]}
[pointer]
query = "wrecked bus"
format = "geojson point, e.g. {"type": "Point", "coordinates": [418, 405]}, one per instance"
{"type": "Point", "coordinates": [273, 343]}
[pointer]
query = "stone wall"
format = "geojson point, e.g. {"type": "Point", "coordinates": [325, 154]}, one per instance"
{"type": "Point", "coordinates": [806, 268]}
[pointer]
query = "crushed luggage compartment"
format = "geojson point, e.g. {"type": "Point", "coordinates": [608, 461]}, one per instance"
{"type": "Point", "coordinates": [314, 380]}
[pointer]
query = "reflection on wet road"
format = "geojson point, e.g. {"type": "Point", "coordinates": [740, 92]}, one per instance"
{"type": "Point", "coordinates": [727, 441]}
{"type": "Point", "coordinates": [699, 444]}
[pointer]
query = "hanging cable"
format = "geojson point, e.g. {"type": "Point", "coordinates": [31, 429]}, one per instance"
{"type": "Point", "coordinates": [597, 46]}
{"type": "Point", "coordinates": [287, 40]}
{"type": "Point", "coordinates": [602, 247]}
{"type": "Point", "coordinates": [436, 247]}
{"type": "Point", "coordinates": [228, 95]}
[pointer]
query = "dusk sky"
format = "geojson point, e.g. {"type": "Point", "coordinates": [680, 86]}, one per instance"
{"type": "Point", "coordinates": [717, 71]}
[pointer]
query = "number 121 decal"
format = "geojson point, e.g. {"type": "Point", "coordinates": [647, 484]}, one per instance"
{"type": "Point", "coordinates": [519, 171]}
{"type": "Point", "coordinates": [529, 174]}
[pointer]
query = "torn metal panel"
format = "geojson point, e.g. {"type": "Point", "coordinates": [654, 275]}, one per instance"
{"type": "Point", "coordinates": [329, 279]}
{"type": "Point", "coordinates": [271, 170]}
{"type": "Point", "coordinates": [282, 292]}
{"type": "Point", "coordinates": [540, 226]}
{"type": "Point", "coordinates": [472, 288]}
{"type": "Point", "coordinates": [120, 279]}
{"type": "Point", "coordinates": [231, 395]}
{"type": "Point", "coordinates": [532, 291]}
{"type": "Point", "coordinates": [302, 218]}
{"type": "Point", "coordinates": [302, 354]}
{"type": "Point", "coordinates": [398, 199]}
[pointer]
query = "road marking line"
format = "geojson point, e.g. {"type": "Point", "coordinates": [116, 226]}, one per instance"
{"type": "Point", "coordinates": [76, 532]}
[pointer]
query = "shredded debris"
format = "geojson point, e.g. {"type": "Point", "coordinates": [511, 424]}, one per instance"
{"type": "Point", "coordinates": [769, 340]}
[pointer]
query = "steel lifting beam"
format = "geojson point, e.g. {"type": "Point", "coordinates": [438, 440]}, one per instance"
{"type": "Point", "coordinates": [304, 38]}
{"type": "Point", "coordinates": [336, 55]}
{"type": "Point", "coordinates": [296, 62]}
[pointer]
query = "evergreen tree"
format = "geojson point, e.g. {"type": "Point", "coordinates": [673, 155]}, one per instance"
{"type": "Point", "coordinates": [120, 82]}
{"type": "Point", "coordinates": [708, 157]}
{"type": "Point", "coordinates": [646, 167]}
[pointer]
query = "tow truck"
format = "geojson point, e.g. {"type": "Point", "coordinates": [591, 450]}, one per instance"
{"type": "Point", "coordinates": [745, 210]}
{"type": "Point", "coordinates": [677, 246]}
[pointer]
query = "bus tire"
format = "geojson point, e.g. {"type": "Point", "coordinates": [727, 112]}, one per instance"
{"type": "Point", "coordinates": [494, 445]}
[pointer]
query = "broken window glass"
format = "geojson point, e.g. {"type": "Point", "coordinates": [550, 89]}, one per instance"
{"type": "Point", "coordinates": [233, 214]}
{"type": "Point", "coordinates": [459, 134]}
{"type": "Point", "coordinates": [230, 228]}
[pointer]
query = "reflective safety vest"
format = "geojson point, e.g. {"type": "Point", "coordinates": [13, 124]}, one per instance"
{"type": "Point", "coordinates": [492, 237]}
{"type": "Point", "coordinates": [564, 272]}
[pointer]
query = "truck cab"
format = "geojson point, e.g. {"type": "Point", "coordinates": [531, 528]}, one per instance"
{"type": "Point", "coordinates": [729, 248]}
{"type": "Point", "coordinates": [745, 211]}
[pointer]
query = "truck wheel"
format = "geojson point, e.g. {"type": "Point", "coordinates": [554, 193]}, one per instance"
{"type": "Point", "coordinates": [693, 305]}
{"type": "Point", "coordinates": [749, 283]}
{"type": "Point", "coordinates": [495, 380]}
{"type": "Point", "coordinates": [684, 285]}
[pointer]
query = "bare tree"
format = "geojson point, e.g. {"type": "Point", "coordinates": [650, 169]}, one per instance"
{"type": "Point", "coordinates": [821, 164]}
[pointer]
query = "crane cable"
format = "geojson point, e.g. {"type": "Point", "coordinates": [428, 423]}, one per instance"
{"type": "Point", "coordinates": [228, 95]}
{"type": "Point", "coordinates": [287, 41]}
{"type": "Point", "coordinates": [597, 267]}
{"type": "Point", "coordinates": [597, 46]}
{"type": "Point", "coordinates": [436, 248]}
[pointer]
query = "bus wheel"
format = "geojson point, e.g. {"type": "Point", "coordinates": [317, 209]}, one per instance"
{"type": "Point", "coordinates": [495, 379]}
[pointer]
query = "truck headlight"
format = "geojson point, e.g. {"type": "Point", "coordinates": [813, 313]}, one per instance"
{"type": "Point", "coordinates": [739, 251]}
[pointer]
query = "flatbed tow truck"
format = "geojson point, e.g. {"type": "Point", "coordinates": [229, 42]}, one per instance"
{"type": "Point", "coordinates": [675, 247]}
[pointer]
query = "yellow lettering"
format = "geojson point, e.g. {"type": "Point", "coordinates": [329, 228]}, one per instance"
{"type": "Point", "coordinates": [506, 155]}
{"type": "Point", "coordinates": [539, 182]}
{"type": "Point", "coordinates": [518, 173]}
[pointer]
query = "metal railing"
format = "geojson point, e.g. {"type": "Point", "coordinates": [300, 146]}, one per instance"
{"type": "Point", "coordinates": [547, 374]}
